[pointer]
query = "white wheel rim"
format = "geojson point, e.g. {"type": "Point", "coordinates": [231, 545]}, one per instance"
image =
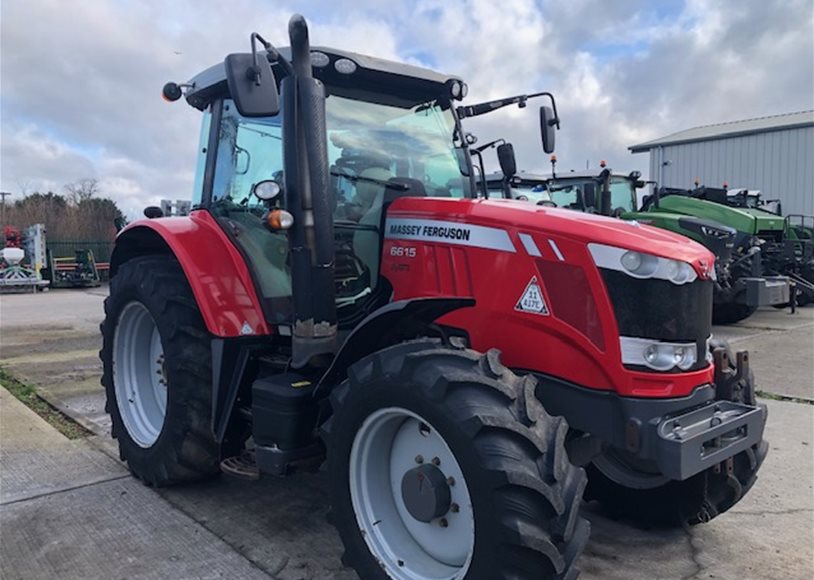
{"type": "Point", "coordinates": [388, 445]}
{"type": "Point", "coordinates": [139, 374]}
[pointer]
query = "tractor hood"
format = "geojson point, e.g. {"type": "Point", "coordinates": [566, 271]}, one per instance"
{"type": "Point", "coordinates": [742, 219]}
{"type": "Point", "coordinates": [765, 220]}
{"type": "Point", "coordinates": [517, 217]}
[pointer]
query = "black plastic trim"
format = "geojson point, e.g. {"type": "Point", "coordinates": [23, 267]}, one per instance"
{"type": "Point", "coordinates": [233, 366]}
{"type": "Point", "coordinates": [388, 325]}
{"type": "Point", "coordinates": [637, 425]}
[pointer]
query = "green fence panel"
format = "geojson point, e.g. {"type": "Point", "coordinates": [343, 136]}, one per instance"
{"type": "Point", "coordinates": [67, 248]}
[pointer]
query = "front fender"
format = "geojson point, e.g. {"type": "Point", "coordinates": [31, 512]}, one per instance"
{"type": "Point", "coordinates": [386, 326]}
{"type": "Point", "coordinates": [215, 269]}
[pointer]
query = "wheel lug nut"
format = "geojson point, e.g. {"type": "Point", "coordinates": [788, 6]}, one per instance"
{"type": "Point", "coordinates": [454, 508]}
{"type": "Point", "coordinates": [419, 459]}
{"type": "Point", "coordinates": [450, 480]}
{"type": "Point", "coordinates": [443, 522]}
{"type": "Point", "coordinates": [436, 461]}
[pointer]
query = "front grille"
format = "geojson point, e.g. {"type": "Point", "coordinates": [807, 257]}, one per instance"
{"type": "Point", "coordinates": [661, 310]}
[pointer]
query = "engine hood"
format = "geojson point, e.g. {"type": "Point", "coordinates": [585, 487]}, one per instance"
{"type": "Point", "coordinates": [518, 216]}
{"type": "Point", "coordinates": [739, 218]}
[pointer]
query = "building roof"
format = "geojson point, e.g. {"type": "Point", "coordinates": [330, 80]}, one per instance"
{"type": "Point", "coordinates": [731, 129]}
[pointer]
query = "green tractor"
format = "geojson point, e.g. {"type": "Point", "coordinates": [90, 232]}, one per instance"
{"type": "Point", "coordinates": [731, 233]}
{"type": "Point", "coordinates": [786, 244]}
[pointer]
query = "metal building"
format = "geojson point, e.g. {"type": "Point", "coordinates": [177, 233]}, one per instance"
{"type": "Point", "coordinates": [773, 154]}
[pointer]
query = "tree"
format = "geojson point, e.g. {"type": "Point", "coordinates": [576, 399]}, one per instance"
{"type": "Point", "coordinates": [81, 215]}
{"type": "Point", "coordinates": [82, 190]}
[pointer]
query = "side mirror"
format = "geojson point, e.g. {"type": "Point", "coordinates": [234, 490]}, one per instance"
{"type": "Point", "coordinates": [252, 87]}
{"type": "Point", "coordinates": [266, 190]}
{"type": "Point", "coordinates": [548, 124]}
{"type": "Point", "coordinates": [505, 156]}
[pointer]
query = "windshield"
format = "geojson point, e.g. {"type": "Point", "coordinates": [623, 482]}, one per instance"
{"type": "Point", "coordinates": [570, 193]}
{"type": "Point", "coordinates": [371, 148]}
{"type": "Point", "coordinates": [522, 191]}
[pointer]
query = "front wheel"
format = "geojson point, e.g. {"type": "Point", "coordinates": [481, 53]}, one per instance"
{"type": "Point", "coordinates": [731, 312]}
{"type": "Point", "coordinates": [629, 489]}
{"type": "Point", "coordinates": [157, 373]}
{"type": "Point", "coordinates": [443, 465]}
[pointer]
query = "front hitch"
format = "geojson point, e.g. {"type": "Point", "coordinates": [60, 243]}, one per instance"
{"type": "Point", "coordinates": [732, 383]}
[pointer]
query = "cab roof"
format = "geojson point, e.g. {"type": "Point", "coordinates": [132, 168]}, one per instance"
{"type": "Point", "coordinates": [412, 83]}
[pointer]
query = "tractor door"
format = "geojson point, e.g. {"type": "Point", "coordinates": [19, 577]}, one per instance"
{"type": "Point", "coordinates": [249, 151]}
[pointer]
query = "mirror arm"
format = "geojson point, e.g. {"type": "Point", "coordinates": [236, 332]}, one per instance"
{"type": "Point", "coordinates": [519, 100]}
{"type": "Point", "coordinates": [483, 187]}
{"type": "Point", "coordinates": [483, 148]}
{"type": "Point", "coordinates": [272, 54]}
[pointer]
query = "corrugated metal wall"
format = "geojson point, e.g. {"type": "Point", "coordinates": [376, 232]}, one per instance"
{"type": "Point", "coordinates": [778, 163]}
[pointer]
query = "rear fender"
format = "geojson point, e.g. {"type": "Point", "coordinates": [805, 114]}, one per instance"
{"type": "Point", "coordinates": [215, 269]}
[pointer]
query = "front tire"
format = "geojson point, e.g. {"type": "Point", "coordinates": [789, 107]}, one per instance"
{"type": "Point", "coordinates": [731, 312]}
{"type": "Point", "coordinates": [434, 413]}
{"type": "Point", "coordinates": [157, 373]}
{"type": "Point", "coordinates": [648, 498]}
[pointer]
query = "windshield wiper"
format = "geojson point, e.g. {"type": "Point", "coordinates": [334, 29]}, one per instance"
{"type": "Point", "coordinates": [388, 184]}
{"type": "Point", "coordinates": [553, 188]}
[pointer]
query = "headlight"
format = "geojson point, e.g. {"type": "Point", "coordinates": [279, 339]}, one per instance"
{"type": "Point", "coordinates": [659, 356]}
{"type": "Point", "coordinates": [641, 265]}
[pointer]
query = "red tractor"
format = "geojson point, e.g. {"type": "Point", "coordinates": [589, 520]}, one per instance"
{"type": "Point", "coordinates": [466, 366]}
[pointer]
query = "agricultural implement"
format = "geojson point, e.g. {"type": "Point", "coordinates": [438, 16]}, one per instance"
{"type": "Point", "coordinates": [77, 271]}
{"type": "Point", "coordinates": [13, 274]}
{"type": "Point", "coordinates": [339, 292]}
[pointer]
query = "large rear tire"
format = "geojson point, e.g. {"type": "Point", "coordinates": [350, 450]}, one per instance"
{"type": "Point", "coordinates": [157, 373]}
{"type": "Point", "coordinates": [464, 425]}
{"type": "Point", "coordinates": [647, 498]}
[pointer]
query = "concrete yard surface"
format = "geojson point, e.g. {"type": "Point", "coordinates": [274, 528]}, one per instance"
{"type": "Point", "coordinates": [67, 510]}
{"type": "Point", "coordinates": [70, 509]}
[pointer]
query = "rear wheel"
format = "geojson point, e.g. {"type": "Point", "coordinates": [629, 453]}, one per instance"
{"type": "Point", "coordinates": [157, 373]}
{"type": "Point", "coordinates": [629, 489]}
{"type": "Point", "coordinates": [444, 465]}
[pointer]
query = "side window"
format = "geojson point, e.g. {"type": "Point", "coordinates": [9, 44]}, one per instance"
{"type": "Point", "coordinates": [249, 151]}
{"type": "Point", "coordinates": [621, 195]}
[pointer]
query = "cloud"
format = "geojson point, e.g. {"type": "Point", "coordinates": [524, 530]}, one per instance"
{"type": "Point", "coordinates": [81, 80]}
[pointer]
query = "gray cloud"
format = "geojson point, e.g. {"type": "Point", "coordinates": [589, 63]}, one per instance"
{"type": "Point", "coordinates": [81, 80]}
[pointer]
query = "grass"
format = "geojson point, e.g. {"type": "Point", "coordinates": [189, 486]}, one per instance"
{"type": "Point", "coordinates": [789, 398]}
{"type": "Point", "coordinates": [29, 397]}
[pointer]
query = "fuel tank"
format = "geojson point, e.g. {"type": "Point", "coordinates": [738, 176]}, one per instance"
{"type": "Point", "coordinates": [550, 291]}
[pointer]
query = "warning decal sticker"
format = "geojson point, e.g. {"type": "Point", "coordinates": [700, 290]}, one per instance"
{"type": "Point", "coordinates": [532, 299]}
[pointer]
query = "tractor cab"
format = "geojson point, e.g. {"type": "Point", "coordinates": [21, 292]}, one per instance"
{"type": "Point", "coordinates": [598, 192]}
{"type": "Point", "coordinates": [390, 131]}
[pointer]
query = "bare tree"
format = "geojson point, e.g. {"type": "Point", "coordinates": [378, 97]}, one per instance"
{"type": "Point", "coordinates": [82, 190]}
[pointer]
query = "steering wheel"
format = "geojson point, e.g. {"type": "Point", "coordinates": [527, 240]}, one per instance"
{"type": "Point", "coordinates": [547, 203]}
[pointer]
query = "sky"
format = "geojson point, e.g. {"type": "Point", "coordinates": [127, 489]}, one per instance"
{"type": "Point", "coordinates": [80, 80]}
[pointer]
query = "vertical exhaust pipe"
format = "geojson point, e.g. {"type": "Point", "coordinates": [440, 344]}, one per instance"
{"type": "Point", "coordinates": [311, 238]}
